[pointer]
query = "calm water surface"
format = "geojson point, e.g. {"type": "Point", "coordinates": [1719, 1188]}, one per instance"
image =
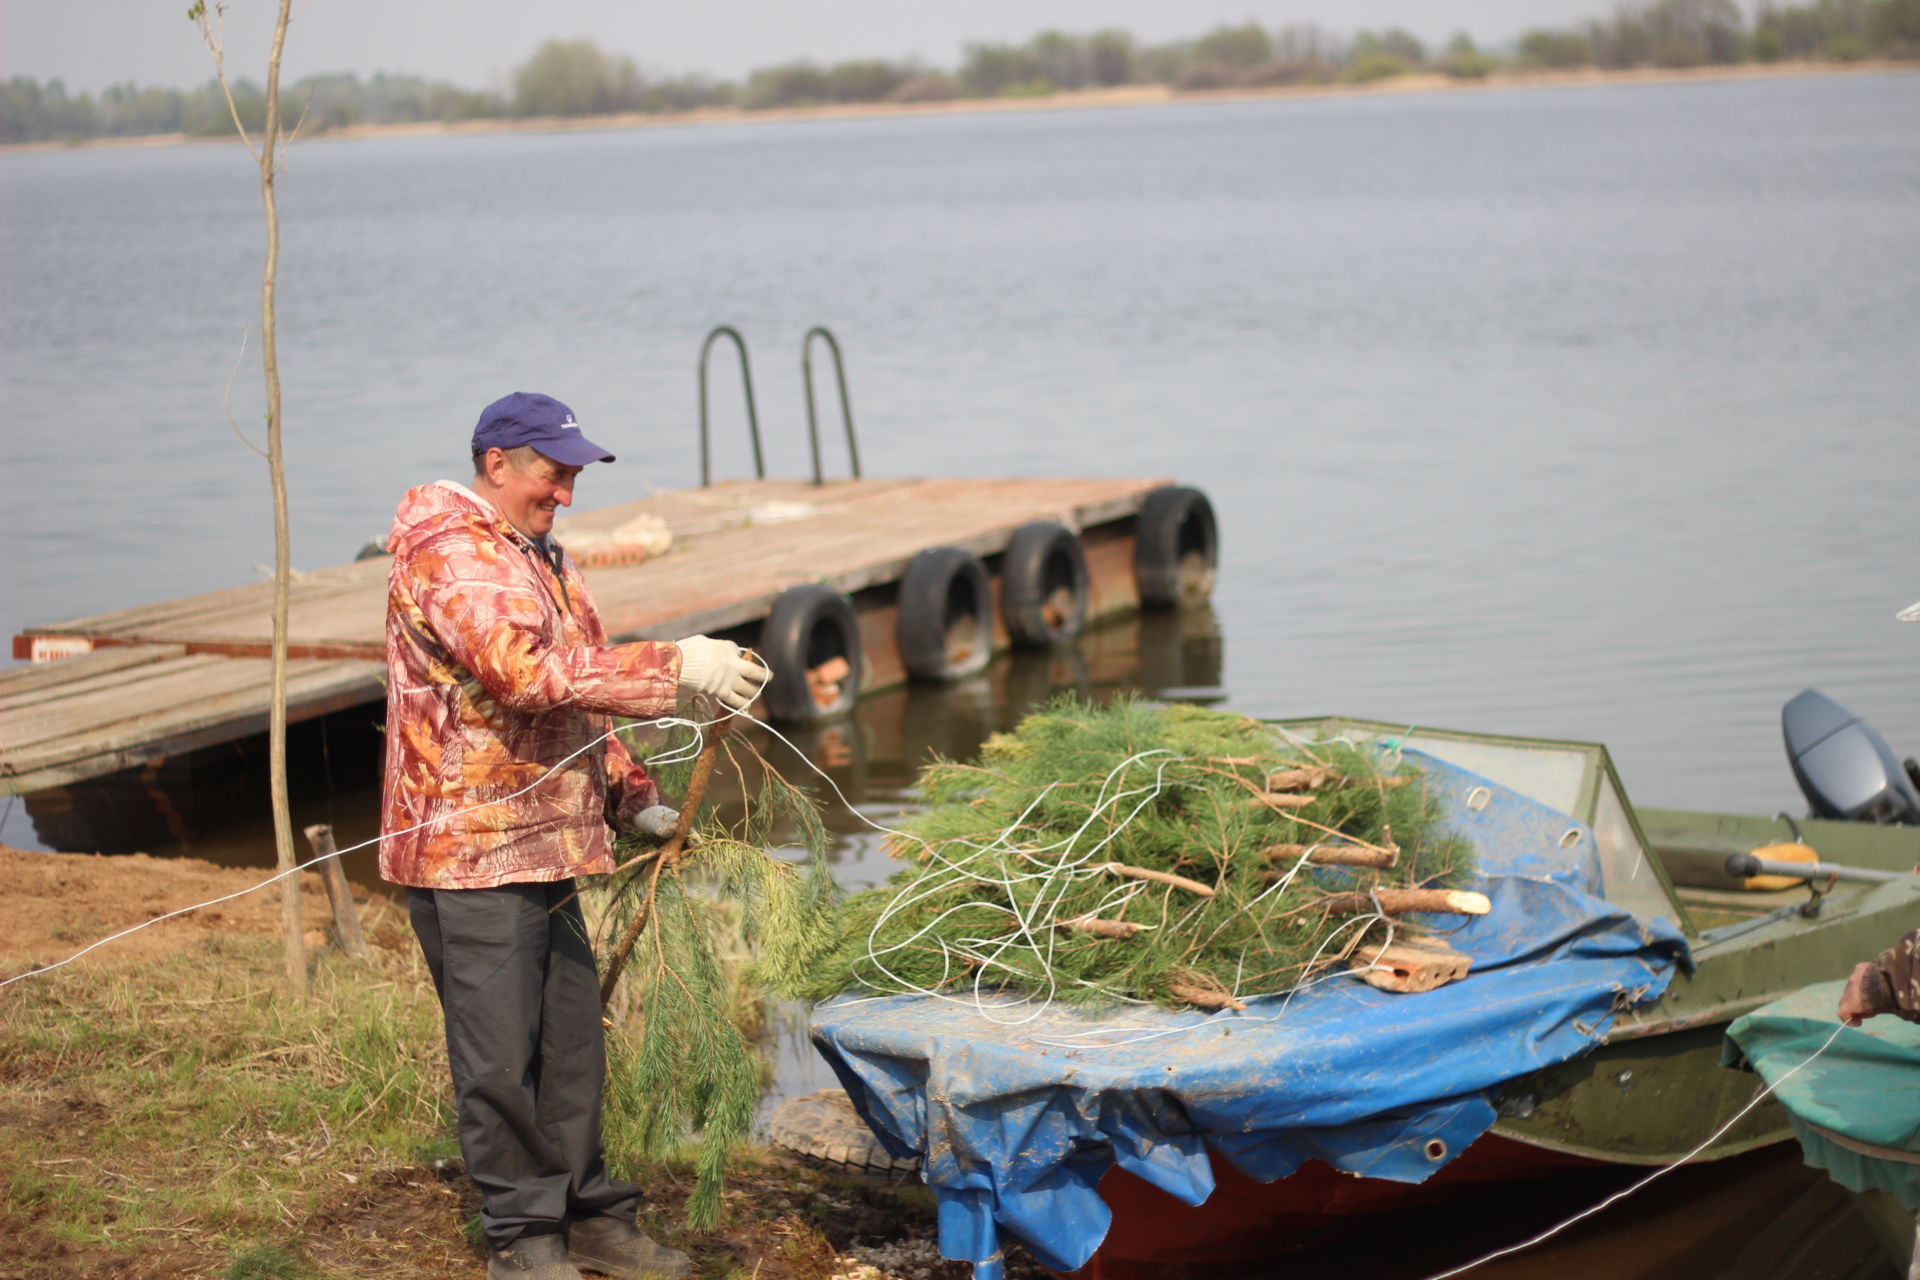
{"type": "Point", "coordinates": [1583, 412]}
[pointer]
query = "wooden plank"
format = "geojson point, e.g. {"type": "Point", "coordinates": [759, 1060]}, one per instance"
{"type": "Point", "coordinates": [165, 684]}
{"type": "Point", "coordinates": [176, 690]}
{"type": "Point", "coordinates": [189, 612]}
{"type": "Point", "coordinates": [124, 682]}
{"type": "Point", "coordinates": [19, 683]}
{"type": "Point", "coordinates": [313, 689]}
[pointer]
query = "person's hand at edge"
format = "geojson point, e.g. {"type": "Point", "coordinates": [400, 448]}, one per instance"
{"type": "Point", "coordinates": [655, 823]}
{"type": "Point", "coordinates": [1855, 1006]}
{"type": "Point", "coordinates": [721, 670]}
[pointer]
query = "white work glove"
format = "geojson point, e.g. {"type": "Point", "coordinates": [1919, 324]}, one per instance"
{"type": "Point", "coordinates": [658, 822]}
{"type": "Point", "coordinates": [720, 669]}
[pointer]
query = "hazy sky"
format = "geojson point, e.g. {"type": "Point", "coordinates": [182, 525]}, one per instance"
{"type": "Point", "coordinates": [476, 43]}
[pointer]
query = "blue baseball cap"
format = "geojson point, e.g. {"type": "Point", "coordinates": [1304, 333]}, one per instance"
{"type": "Point", "coordinates": [526, 417]}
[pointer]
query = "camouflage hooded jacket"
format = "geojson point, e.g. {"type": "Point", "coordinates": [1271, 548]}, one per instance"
{"type": "Point", "coordinates": [498, 672]}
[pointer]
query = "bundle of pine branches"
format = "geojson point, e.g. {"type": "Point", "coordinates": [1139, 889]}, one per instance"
{"type": "Point", "coordinates": [1177, 855]}
{"type": "Point", "coordinates": [718, 922]}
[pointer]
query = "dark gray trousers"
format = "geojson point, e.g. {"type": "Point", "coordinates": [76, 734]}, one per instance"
{"type": "Point", "coordinates": [522, 1005]}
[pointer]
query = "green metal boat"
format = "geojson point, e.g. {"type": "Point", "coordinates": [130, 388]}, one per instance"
{"type": "Point", "coordinates": [1655, 1092]}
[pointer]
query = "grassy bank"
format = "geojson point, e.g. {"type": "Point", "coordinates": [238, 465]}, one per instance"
{"type": "Point", "coordinates": [166, 1113]}
{"type": "Point", "coordinates": [169, 1115]}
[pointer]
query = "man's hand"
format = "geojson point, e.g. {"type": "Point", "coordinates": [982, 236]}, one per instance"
{"type": "Point", "coordinates": [720, 669]}
{"type": "Point", "coordinates": [1854, 1007]}
{"type": "Point", "coordinates": [657, 823]}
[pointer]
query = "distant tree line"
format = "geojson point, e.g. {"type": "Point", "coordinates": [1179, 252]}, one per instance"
{"type": "Point", "coordinates": [577, 78]}
{"type": "Point", "coordinates": [1698, 33]}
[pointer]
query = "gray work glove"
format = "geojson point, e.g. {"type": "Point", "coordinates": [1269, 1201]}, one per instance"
{"type": "Point", "coordinates": [720, 669]}
{"type": "Point", "coordinates": [657, 822]}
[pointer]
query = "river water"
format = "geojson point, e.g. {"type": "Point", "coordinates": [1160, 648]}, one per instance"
{"type": "Point", "coordinates": [1575, 412]}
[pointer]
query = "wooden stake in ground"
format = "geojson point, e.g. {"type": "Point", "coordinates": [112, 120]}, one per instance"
{"type": "Point", "coordinates": [268, 154]}
{"type": "Point", "coordinates": [346, 920]}
{"type": "Point", "coordinates": [670, 853]}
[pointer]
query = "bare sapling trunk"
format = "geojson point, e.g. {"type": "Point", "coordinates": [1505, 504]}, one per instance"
{"type": "Point", "coordinates": [282, 556]}
{"type": "Point", "coordinates": [268, 156]}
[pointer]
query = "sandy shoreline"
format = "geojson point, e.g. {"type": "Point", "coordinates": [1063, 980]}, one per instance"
{"type": "Point", "coordinates": [1076, 100]}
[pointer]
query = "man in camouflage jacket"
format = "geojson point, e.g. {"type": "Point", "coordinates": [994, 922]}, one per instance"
{"type": "Point", "coordinates": [500, 783]}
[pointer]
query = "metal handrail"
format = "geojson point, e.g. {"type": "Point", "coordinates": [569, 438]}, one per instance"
{"type": "Point", "coordinates": [753, 416]}
{"type": "Point", "coordinates": [846, 403]}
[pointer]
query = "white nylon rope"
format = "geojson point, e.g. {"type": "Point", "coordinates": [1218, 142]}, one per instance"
{"type": "Point", "coordinates": [668, 758]}
{"type": "Point", "coordinates": [1035, 931]}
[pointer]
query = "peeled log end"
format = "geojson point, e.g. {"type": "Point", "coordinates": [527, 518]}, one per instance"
{"type": "Point", "coordinates": [1202, 997]}
{"type": "Point", "coordinates": [1284, 802]}
{"type": "Point", "coordinates": [1317, 776]}
{"type": "Point", "coordinates": [1410, 966]}
{"type": "Point", "coordinates": [1103, 928]}
{"type": "Point", "coordinates": [1303, 779]}
{"type": "Point", "coordinates": [1158, 877]}
{"type": "Point", "coordinates": [1395, 902]}
{"type": "Point", "coordinates": [1334, 855]}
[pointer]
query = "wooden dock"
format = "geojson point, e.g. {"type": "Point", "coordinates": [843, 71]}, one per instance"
{"type": "Point", "coordinates": [164, 678]}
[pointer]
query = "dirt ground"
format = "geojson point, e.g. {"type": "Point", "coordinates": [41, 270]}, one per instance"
{"type": "Point", "coordinates": [784, 1220]}
{"type": "Point", "coordinates": [56, 904]}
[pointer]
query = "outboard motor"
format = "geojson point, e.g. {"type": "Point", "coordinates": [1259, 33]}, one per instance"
{"type": "Point", "coordinates": [1843, 766]}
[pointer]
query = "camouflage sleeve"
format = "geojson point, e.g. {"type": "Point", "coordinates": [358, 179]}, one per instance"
{"type": "Point", "coordinates": [490, 619]}
{"type": "Point", "coordinates": [1892, 983]}
{"type": "Point", "coordinates": [630, 788]}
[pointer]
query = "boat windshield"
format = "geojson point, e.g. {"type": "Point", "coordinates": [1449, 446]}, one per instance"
{"type": "Point", "coordinates": [1576, 778]}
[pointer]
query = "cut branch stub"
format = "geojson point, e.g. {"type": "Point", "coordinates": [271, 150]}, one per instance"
{"type": "Point", "coordinates": [1158, 877]}
{"type": "Point", "coordinates": [1103, 928]}
{"type": "Point", "coordinates": [1334, 855]}
{"type": "Point", "coordinates": [1203, 997]}
{"type": "Point", "coordinates": [1281, 800]}
{"type": "Point", "coordinates": [1312, 778]}
{"type": "Point", "coordinates": [1395, 901]}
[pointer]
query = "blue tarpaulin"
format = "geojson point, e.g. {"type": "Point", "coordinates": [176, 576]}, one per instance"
{"type": "Point", "coordinates": [1019, 1110]}
{"type": "Point", "coordinates": [1856, 1106]}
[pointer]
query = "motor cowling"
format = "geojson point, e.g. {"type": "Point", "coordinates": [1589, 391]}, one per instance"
{"type": "Point", "coordinates": [1845, 768]}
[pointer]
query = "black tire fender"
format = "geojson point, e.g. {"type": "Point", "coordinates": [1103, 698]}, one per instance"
{"type": "Point", "coordinates": [809, 626]}
{"type": "Point", "coordinates": [1176, 547]}
{"type": "Point", "coordinates": [1043, 585]}
{"type": "Point", "coordinates": [946, 615]}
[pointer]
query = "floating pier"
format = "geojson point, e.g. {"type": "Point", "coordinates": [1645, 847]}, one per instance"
{"type": "Point", "coordinates": [845, 586]}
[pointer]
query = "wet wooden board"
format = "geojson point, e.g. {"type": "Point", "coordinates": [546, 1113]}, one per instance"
{"type": "Point", "coordinates": [178, 674]}
{"type": "Point", "coordinates": [90, 715]}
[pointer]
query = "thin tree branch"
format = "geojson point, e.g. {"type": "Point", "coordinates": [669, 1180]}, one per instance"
{"type": "Point", "coordinates": [226, 395]}
{"type": "Point", "coordinates": [215, 37]}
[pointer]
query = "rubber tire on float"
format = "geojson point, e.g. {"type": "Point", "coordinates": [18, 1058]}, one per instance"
{"type": "Point", "coordinates": [1043, 560]}
{"type": "Point", "coordinates": [946, 602]}
{"type": "Point", "coordinates": [1176, 546]}
{"type": "Point", "coordinates": [808, 625]}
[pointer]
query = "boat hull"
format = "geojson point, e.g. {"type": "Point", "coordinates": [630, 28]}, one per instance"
{"type": "Point", "coordinates": [1241, 1227]}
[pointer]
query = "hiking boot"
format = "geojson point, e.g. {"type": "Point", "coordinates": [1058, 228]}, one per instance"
{"type": "Point", "coordinates": [541, 1257]}
{"type": "Point", "coordinates": [615, 1247]}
